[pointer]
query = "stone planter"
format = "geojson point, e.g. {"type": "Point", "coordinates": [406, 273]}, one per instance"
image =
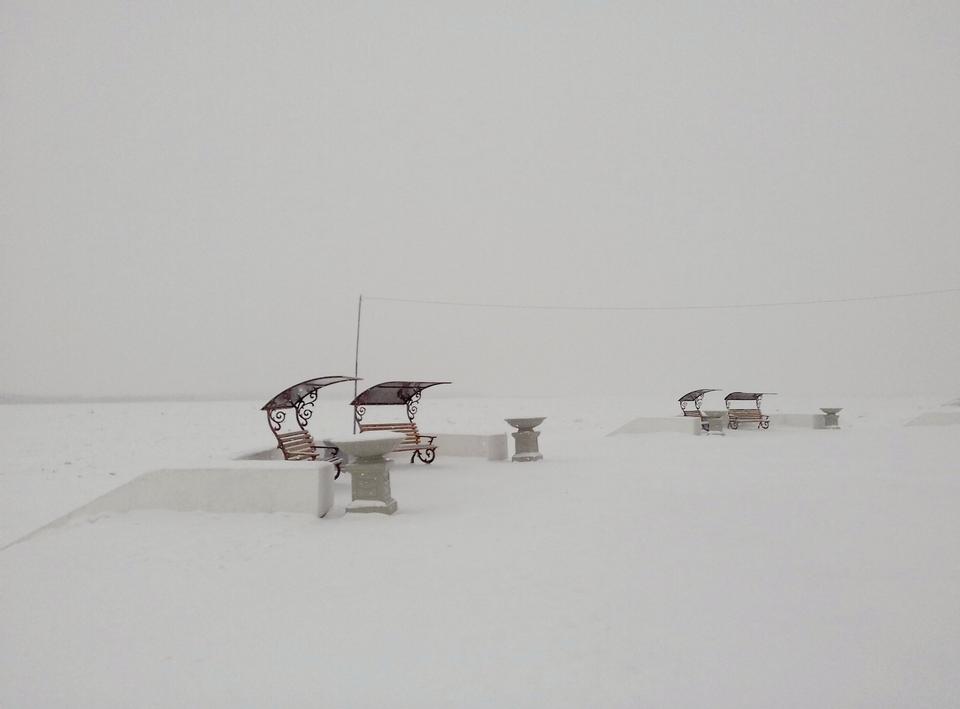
{"type": "Point", "coordinates": [369, 470]}
{"type": "Point", "coordinates": [831, 417]}
{"type": "Point", "coordinates": [714, 422]}
{"type": "Point", "coordinates": [526, 445]}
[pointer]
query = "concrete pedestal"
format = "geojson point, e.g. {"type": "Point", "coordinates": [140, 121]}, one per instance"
{"type": "Point", "coordinates": [713, 423]}
{"type": "Point", "coordinates": [526, 444]}
{"type": "Point", "coordinates": [721, 414]}
{"type": "Point", "coordinates": [370, 487]}
{"type": "Point", "coordinates": [831, 418]}
{"type": "Point", "coordinates": [369, 471]}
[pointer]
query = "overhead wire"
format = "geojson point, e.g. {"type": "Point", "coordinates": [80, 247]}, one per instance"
{"type": "Point", "coordinates": [698, 306]}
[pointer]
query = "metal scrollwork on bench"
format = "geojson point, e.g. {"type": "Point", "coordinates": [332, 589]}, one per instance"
{"type": "Point", "coordinates": [276, 417]}
{"type": "Point", "coordinates": [358, 412]}
{"type": "Point", "coordinates": [304, 409]}
{"type": "Point", "coordinates": [412, 406]}
{"type": "Point", "coordinates": [427, 455]}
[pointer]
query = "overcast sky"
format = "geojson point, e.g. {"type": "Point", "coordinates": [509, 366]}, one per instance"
{"type": "Point", "coordinates": [194, 194]}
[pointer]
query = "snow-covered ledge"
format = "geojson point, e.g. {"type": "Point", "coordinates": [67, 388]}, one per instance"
{"type": "Point", "coordinates": [813, 421]}
{"type": "Point", "coordinates": [238, 486]}
{"type": "Point", "coordinates": [492, 446]}
{"type": "Point", "coordinates": [662, 424]}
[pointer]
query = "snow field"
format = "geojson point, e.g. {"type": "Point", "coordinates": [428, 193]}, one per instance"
{"type": "Point", "coordinates": [781, 568]}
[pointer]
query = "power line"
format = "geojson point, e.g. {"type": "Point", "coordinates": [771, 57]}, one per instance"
{"type": "Point", "coordinates": [705, 306]}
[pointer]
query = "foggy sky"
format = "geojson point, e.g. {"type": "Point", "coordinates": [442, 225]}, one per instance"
{"type": "Point", "coordinates": [193, 195]}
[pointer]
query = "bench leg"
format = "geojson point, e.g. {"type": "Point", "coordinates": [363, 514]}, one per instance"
{"type": "Point", "coordinates": [427, 456]}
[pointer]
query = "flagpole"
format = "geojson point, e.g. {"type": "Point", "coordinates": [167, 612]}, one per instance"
{"type": "Point", "coordinates": [356, 358]}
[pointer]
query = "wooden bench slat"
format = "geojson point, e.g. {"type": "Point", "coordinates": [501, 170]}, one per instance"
{"type": "Point", "coordinates": [299, 445]}
{"type": "Point", "coordinates": [413, 440]}
{"type": "Point", "coordinates": [736, 416]}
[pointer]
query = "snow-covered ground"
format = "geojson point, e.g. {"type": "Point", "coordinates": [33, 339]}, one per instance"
{"type": "Point", "coordinates": [791, 567]}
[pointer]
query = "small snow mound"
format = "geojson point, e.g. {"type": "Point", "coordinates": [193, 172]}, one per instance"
{"type": "Point", "coordinates": [936, 418]}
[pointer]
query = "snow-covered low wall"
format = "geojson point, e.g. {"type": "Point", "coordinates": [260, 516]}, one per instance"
{"type": "Point", "coordinates": [247, 486]}
{"type": "Point", "coordinates": [492, 446]}
{"type": "Point", "coordinates": [663, 424]}
{"type": "Point", "coordinates": [798, 420]}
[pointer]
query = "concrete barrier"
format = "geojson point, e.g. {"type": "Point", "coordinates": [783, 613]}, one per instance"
{"type": "Point", "coordinates": [288, 486]}
{"type": "Point", "coordinates": [664, 424]}
{"type": "Point", "coordinates": [812, 421]}
{"type": "Point", "coordinates": [249, 486]}
{"type": "Point", "coordinates": [492, 446]}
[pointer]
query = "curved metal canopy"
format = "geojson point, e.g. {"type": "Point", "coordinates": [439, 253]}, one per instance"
{"type": "Point", "coordinates": [747, 396]}
{"type": "Point", "coordinates": [387, 393]}
{"type": "Point", "coordinates": [291, 397]}
{"type": "Point", "coordinates": [695, 394]}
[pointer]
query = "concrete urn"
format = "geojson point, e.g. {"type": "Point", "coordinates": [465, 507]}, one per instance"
{"type": "Point", "coordinates": [369, 470]}
{"type": "Point", "coordinates": [526, 439]}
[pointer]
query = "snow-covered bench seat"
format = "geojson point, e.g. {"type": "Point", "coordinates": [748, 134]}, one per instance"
{"type": "Point", "coordinates": [420, 445]}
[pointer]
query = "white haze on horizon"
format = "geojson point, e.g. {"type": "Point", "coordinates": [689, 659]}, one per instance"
{"type": "Point", "coordinates": [193, 195]}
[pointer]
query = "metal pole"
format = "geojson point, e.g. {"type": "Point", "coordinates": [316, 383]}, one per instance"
{"type": "Point", "coordinates": [356, 357]}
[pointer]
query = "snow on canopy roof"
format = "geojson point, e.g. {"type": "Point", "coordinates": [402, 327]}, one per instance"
{"type": "Point", "coordinates": [388, 393]}
{"type": "Point", "coordinates": [290, 397]}
{"type": "Point", "coordinates": [695, 394]}
{"type": "Point", "coordinates": [746, 395]}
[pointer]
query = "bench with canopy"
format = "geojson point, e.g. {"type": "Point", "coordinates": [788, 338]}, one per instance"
{"type": "Point", "coordinates": [297, 443]}
{"type": "Point", "coordinates": [695, 398]}
{"type": "Point", "coordinates": [406, 394]}
{"type": "Point", "coordinates": [736, 414]}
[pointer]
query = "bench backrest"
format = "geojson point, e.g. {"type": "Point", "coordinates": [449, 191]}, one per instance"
{"type": "Point", "coordinates": [745, 413]}
{"type": "Point", "coordinates": [409, 430]}
{"type": "Point", "coordinates": [296, 444]}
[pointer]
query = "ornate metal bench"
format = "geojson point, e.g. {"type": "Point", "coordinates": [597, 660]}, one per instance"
{"type": "Point", "coordinates": [406, 394]}
{"type": "Point", "coordinates": [298, 444]}
{"type": "Point", "coordinates": [749, 415]}
{"type": "Point", "coordinates": [695, 397]}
